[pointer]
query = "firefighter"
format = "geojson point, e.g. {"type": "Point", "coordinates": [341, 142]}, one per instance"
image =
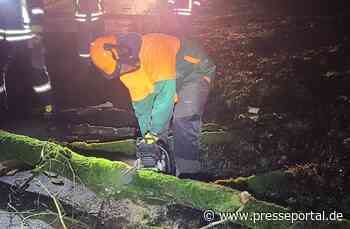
{"type": "Point", "coordinates": [88, 14]}
{"type": "Point", "coordinates": [158, 71]}
{"type": "Point", "coordinates": [181, 16]}
{"type": "Point", "coordinates": [18, 35]}
{"type": "Point", "coordinates": [184, 8]}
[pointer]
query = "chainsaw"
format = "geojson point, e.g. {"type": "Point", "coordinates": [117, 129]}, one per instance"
{"type": "Point", "coordinates": [156, 156]}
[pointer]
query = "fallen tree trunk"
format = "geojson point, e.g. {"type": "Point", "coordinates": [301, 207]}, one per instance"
{"type": "Point", "coordinates": [301, 187]}
{"type": "Point", "coordinates": [128, 146]}
{"type": "Point", "coordinates": [271, 182]}
{"type": "Point", "coordinates": [109, 179]}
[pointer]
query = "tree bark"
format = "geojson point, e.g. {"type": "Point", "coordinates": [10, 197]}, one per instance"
{"type": "Point", "coordinates": [128, 146]}
{"type": "Point", "coordinates": [118, 180]}
{"type": "Point", "coordinates": [272, 182]}
{"type": "Point", "coordinates": [300, 187]}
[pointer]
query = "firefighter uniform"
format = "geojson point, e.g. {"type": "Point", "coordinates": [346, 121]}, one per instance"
{"type": "Point", "coordinates": [88, 14]}
{"type": "Point", "coordinates": [184, 7]}
{"type": "Point", "coordinates": [37, 12]}
{"type": "Point", "coordinates": [14, 21]}
{"type": "Point", "coordinates": [181, 16]}
{"type": "Point", "coordinates": [171, 69]}
{"type": "Point", "coordinates": [17, 38]}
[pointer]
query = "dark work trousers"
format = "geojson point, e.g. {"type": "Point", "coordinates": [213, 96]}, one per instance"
{"type": "Point", "coordinates": [187, 124]}
{"type": "Point", "coordinates": [192, 87]}
{"type": "Point", "coordinates": [37, 76]}
{"type": "Point", "coordinates": [89, 18]}
{"type": "Point", "coordinates": [88, 31]}
{"type": "Point", "coordinates": [4, 64]}
{"type": "Point", "coordinates": [14, 22]}
{"type": "Point", "coordinates": [41, 82]}
{"type": "Point", "coordinates": [8, 55]}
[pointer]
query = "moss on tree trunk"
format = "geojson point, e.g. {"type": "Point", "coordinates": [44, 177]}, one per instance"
{"type": "Point", "coordinates": [300, 187]}
{"type": "Point", "coordinates": [271, 182]}
{"type": "Point", "coordinates": [107, 178]}
{"type": "Point", "coordinates": [128, 146]}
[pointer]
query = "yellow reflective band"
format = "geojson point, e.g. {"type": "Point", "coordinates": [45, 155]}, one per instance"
{"type": "Point", "coordinates": [37, 11]}
{"type": "Point", "coordinates": [42, 88]}
{"type": "Point", "coordinates": [2, 89]}
{"type": "Point", "coordinates": [184, 13]}
{"type": "Point", "coordinates": [19, 38]}
{"type": "Point", "coordinates": [25, 15]}
{"type": "Point", "coordinates": [20, 31]}
{"type": "Point", "coordinates": [183, 9]}
{"type": "Point", "coordinates": [80, 15]}
{"type": "Point", "coordinates": [80, 19]}
{"type": "Point", "coordinates": [84, 55]}
{"type": "Point", "coordinates": [96, 14]}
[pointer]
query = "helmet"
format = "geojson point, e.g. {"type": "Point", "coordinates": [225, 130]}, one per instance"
{"type": "Point", "coordinates": [109, 52]}
{"type": "Point", "coordinates": [105, 59]}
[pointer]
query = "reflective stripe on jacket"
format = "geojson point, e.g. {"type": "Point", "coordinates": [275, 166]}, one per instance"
{"type": "Point", "coordinates": [37, 11]}
{"type": "Point", "coordinates": [14, 21]}
{"type": "Point", "coordinates": [183, 7]}
{"type": "Point", "coordinates": [88, 10]}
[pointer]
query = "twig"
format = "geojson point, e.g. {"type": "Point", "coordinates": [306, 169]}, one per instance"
{"type": "Point", "coordinates": [57, 204]}
{"type": "Point", "coordinates": [215, 224]}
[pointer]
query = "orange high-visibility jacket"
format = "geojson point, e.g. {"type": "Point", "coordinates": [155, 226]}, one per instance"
{"type": "Point", "coordinates": [165, 61]}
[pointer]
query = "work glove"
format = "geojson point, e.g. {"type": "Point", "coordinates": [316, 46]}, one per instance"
{"type": "Point", "coordinates": [48, 108]}
{"type": "Point", "coordinates": [153, 153]}
{"type": "Point", "coordinates": [48, 112]}
{"type": "Point", "coordinates": [150, 138]}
